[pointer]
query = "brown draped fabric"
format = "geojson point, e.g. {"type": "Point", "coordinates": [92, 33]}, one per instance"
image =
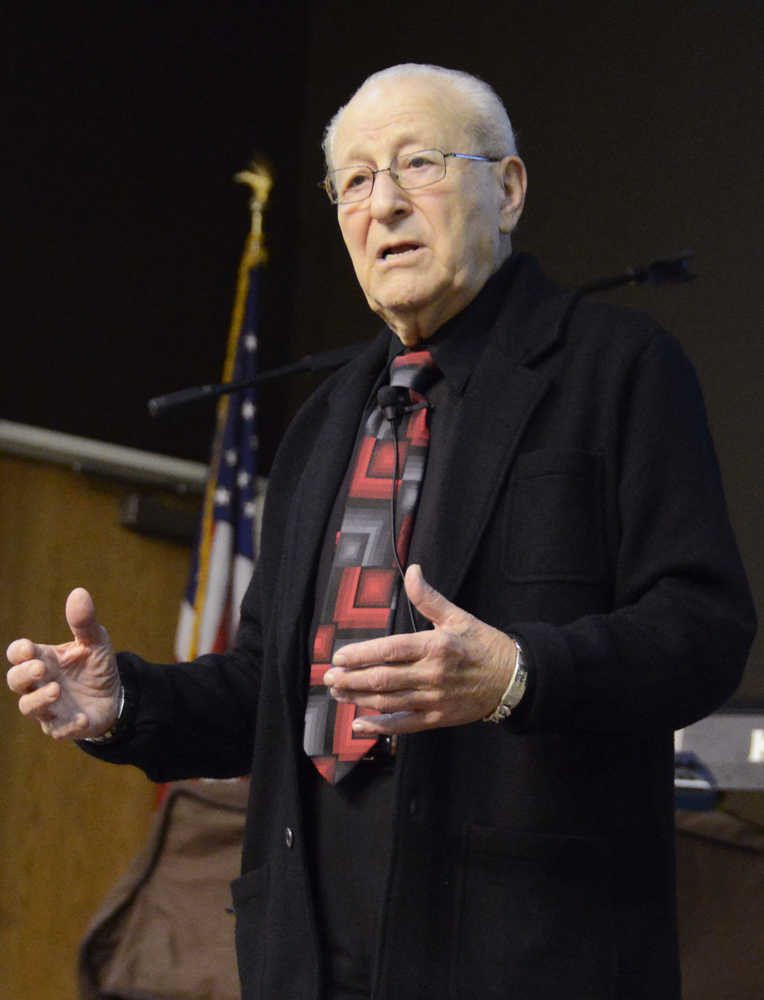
{"type": "Point", "coordinates": [166, 929]}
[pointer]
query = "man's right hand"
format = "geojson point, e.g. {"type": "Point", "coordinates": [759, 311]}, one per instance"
{"type": "Point", "coordinates": [72, 689]}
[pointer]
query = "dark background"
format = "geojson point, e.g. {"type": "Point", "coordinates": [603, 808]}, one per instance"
{"type": "Point", "coordinates": [640, 124]}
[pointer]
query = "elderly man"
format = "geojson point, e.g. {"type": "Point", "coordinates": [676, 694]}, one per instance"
{"type": "Point", "coordinates": [461, 787]}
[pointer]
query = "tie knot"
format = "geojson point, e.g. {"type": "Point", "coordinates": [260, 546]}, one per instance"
{"type": "Point", "coordinates": [414, 370]}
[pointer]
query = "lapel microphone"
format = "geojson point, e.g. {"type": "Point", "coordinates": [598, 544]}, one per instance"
{"type": "Point", "coordinates": [394, 401]}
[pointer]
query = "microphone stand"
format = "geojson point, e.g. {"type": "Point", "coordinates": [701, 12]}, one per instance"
{"type": "Point", "coordinates": [662, 271]}
{"type": "Point", "coordinates": [309, 363]}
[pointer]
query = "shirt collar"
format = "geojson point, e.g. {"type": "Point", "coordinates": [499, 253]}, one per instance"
{"type": "Point", "coordinates": [457, 345]}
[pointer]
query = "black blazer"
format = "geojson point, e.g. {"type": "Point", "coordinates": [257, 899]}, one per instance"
{"type": "Point", "coordinates": [584, 514]}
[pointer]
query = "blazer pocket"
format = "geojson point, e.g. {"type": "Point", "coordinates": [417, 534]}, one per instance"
{"type": "Point", "coordinates": [250, 903]}
{"type": "Point", "coordinates": [533, 918]}
{"type": "Point", "coordinates": [554, 521]}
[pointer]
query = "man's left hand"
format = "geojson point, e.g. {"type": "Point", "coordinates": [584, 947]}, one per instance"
{"type": "Point", "coordinates": [450, 675]}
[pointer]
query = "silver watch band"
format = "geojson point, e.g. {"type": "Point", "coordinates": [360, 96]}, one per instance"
{"type": "Point", "coordinates": [515, 689]}
{"type": "Point", "coordinates": [114, 728]}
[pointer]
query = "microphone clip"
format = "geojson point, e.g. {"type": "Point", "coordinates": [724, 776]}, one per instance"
{"type": "Point", "coordinates": [395, 402]}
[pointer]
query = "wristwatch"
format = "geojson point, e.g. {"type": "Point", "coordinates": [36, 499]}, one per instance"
{"type": "Point", "coordinates": [515, 689]}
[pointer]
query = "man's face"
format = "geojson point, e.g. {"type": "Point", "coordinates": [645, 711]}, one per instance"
{"type": "Point", "coordinates": [421, 256]}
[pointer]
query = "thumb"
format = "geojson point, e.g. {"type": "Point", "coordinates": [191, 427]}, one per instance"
{"type": "Point", "coordinates": [428, 601]}
{"type": "Point", "coordinates": [81, 617]}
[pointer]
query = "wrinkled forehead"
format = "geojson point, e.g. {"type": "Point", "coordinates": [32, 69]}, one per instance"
{"type": "Point", "coordinates": [383, 117]}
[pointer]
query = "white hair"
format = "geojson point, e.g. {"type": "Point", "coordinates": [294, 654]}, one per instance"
{"type": "Point", "coordinates": [488, 123]}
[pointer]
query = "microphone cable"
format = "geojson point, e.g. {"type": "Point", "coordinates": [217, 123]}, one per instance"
{"type": "Point", "coordinates": [393, 518]}
{"type": "Point", "coordinates": [394, 402]}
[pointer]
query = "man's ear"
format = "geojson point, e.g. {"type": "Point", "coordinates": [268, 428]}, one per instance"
{"type": "Point", "coordinates": [514, 180]}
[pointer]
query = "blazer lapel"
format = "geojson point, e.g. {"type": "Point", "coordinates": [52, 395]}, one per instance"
{"type": "Point", "coordinates": [499, 401]}
{"type": "Point", "coordinates": [324, 470]}
{"type": "Point", "coordinates": [496, 410]}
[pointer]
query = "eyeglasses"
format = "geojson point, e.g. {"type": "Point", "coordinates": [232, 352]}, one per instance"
{"type": "Point", "coordinates": [409, 171]}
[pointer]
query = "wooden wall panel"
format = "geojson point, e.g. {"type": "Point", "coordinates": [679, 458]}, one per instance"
{"type": "Point", "coordinates": [69, 824]}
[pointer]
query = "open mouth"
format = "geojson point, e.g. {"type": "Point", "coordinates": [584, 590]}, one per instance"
{"type": "Point", "coordinates": [398, 250]}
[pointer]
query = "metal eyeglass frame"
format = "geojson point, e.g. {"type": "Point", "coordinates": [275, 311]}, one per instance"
{"type": "Point", "coordinates": [331, 190]}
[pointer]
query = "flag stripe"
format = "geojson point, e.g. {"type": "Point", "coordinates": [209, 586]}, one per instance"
{"type": "Point", "coordinates": [224, 556]}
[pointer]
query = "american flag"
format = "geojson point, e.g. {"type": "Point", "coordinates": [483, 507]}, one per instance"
{"type": "Point", "coordinates": [224, 556]}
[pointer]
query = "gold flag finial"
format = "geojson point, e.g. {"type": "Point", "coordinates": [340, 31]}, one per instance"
{"type": "Point", "coordinates": [259, 180]}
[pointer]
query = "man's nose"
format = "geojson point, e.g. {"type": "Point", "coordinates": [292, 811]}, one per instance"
{"type": "Point", "coordinates": [387, 199]}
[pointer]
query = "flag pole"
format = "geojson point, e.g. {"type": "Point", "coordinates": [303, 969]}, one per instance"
{"type": "Point", "coordinates": [259, 180]}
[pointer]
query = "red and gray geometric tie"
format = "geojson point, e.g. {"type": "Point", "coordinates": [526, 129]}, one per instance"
{"type": "Point", "coordinates": [364, 582]}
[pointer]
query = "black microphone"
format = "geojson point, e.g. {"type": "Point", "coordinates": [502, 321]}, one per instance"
{"type": "Point", "coordinates": [661, 271]}
{"type": "Point", "coordinates": [394, 401]}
